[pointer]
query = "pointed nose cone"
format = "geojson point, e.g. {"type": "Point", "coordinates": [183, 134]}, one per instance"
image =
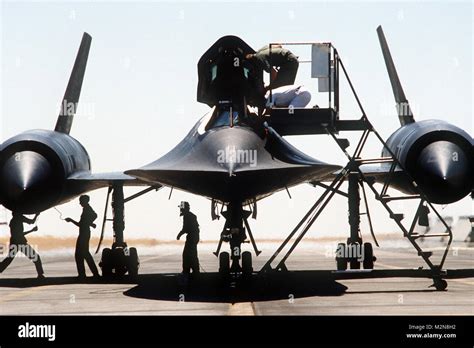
{"type": "Point", "coordinates": [444, 172]}
{"type": "Point", "coordinates": [25, 175]}
{"type": "Point", "coordinates": [231, 167]}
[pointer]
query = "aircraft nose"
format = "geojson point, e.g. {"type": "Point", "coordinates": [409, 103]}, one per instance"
{"type": "Point", "coordinates": [235, 149]}
{"type": "Point", "coordinates": [23, 177]}
{"type": "Point", "coordinates": [444, 171]}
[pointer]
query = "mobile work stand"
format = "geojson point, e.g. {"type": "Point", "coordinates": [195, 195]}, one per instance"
{"type": "Point", "coordinates": [326, 120]}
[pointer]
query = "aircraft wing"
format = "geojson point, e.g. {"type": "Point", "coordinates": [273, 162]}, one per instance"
{"type": "Point", "coordinates": [98, 180]}
{"type": "Point", "coordinates": [379, 172]}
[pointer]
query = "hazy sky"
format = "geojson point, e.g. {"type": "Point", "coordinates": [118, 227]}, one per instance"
{"type": "Point", "coordinates": [139, 94]}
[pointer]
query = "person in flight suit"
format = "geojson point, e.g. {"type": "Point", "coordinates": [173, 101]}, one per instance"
{"type": "Point", "coordinates": [82, 253]}
{"type": "Point", "coordinates": [279, 57]}
{"type": "Point", "coordinates": [191, 228]}
{"type": "Point", "coordinates": [296, 96]}
{"type": "Point", "coordinates": [18, 243]}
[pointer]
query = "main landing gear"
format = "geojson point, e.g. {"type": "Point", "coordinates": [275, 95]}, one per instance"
{"type": "Point", "coordinates": [119, 259]}
{"type": "Point", "coordinates": [354, 253]}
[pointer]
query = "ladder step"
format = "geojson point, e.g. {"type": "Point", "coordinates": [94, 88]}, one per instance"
{"type": "Point", "coordinates": [370, 180]}
{"type": "Point", "coordinates": [343, 142]}
{"type": "Point", "coordinates": [398, 217]}
{"type": "Point", "coordinates": [416, 235]}
{"type": "Point", "coordinates": [375, 160]}
{"type": "Point", "coordinates": [388, 198]}
{"type": "Point", "coordinates": [428, 254]}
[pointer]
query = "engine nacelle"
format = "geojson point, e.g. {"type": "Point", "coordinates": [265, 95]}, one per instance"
{"type": "Point", "coordinates": [438, 155]}
{"type": "Point", "coordinates": [34, 167]}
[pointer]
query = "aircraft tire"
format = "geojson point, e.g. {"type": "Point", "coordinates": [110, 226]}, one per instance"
{"type": "Point", "coordinates": [119, 261]}
{"type": "Point", "coordinates": [247, 268]}
{"type": "Point", "coordinates": [341, 262]}
{"type": "Point", "coordinates": [106, 262]}
{"type": "Point", "coordinates": [133, 262]}
{"type": "Point", "coordinates": [224, 261]}
{"type": "Point", "coordinates": [355, 264]}
{"type": "Point", "coordinates": [368, 262]}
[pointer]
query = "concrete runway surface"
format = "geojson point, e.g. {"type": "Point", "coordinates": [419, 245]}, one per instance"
{"type": "Point", "coordinates": [308, 289]}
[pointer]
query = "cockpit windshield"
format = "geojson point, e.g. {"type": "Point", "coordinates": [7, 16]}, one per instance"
{"type": "Point", "coordinates": [223, 119]}
{"type": "Point", "coordinates": [222, 116]}
{"type": "Point", "coordinates": [241, 117]}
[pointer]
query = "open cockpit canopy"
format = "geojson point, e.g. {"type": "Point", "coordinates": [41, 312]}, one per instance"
{"type": "Point", "coordinates": [225, 75]}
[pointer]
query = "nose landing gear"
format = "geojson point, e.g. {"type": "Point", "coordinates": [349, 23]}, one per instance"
{"type": "Point", "coordinates": [236, 262]}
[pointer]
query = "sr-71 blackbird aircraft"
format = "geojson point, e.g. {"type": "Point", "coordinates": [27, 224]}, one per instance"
{"type": "Point", "coordinates": [231, 156]}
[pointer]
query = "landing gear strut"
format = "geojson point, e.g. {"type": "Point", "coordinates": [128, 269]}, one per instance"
{"type": "Point", "coordinates": [119, 259]}
{"type": "Point", "coordinates": [235, 234]}
{"type": "Point", "coordinates": [355, 252]}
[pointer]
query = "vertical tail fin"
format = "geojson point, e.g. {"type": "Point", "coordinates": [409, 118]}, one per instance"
{"type": "Point", "coordinates": [73, 91]}
{"type": "Point", "coordinates": [403, 107]}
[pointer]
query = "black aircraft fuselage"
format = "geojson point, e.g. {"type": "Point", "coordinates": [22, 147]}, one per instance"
{"type": "Point", "coordinates": [230, 155]}
{"type": "Point", "coordinates": [232, 163]}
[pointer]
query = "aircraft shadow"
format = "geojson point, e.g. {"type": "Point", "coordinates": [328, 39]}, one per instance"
{"type": "Point", "coordinates": [211, 287]}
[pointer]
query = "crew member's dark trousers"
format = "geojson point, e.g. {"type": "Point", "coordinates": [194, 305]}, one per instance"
{"type": "Point", "coordinates": [190, 258]}
{"type": "Point", "coordinates": [28, 251]}
{"type": "Point", "coordinates": [286, 75]}
{"type": "Point", "coordinates": [82, 253]}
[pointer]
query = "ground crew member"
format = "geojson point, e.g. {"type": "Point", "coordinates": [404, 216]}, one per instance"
{"type": "Point", "coordinates": [18, 243]}
{"type": "Point", "coordinates": [191, 228]}
{"type": "Point", "coordinates": [82, 253]}
{"type": "Point", "coordinates": [279, 57]}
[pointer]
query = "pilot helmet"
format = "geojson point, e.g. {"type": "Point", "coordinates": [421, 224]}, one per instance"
{"type": "Point", "coordinates": [84, 199]}
{"type": "Point", "coordinates": [184, 206]}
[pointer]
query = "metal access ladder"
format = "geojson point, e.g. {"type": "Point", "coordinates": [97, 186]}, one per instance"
{"type": "Point", "coordinates": [356, 178]}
